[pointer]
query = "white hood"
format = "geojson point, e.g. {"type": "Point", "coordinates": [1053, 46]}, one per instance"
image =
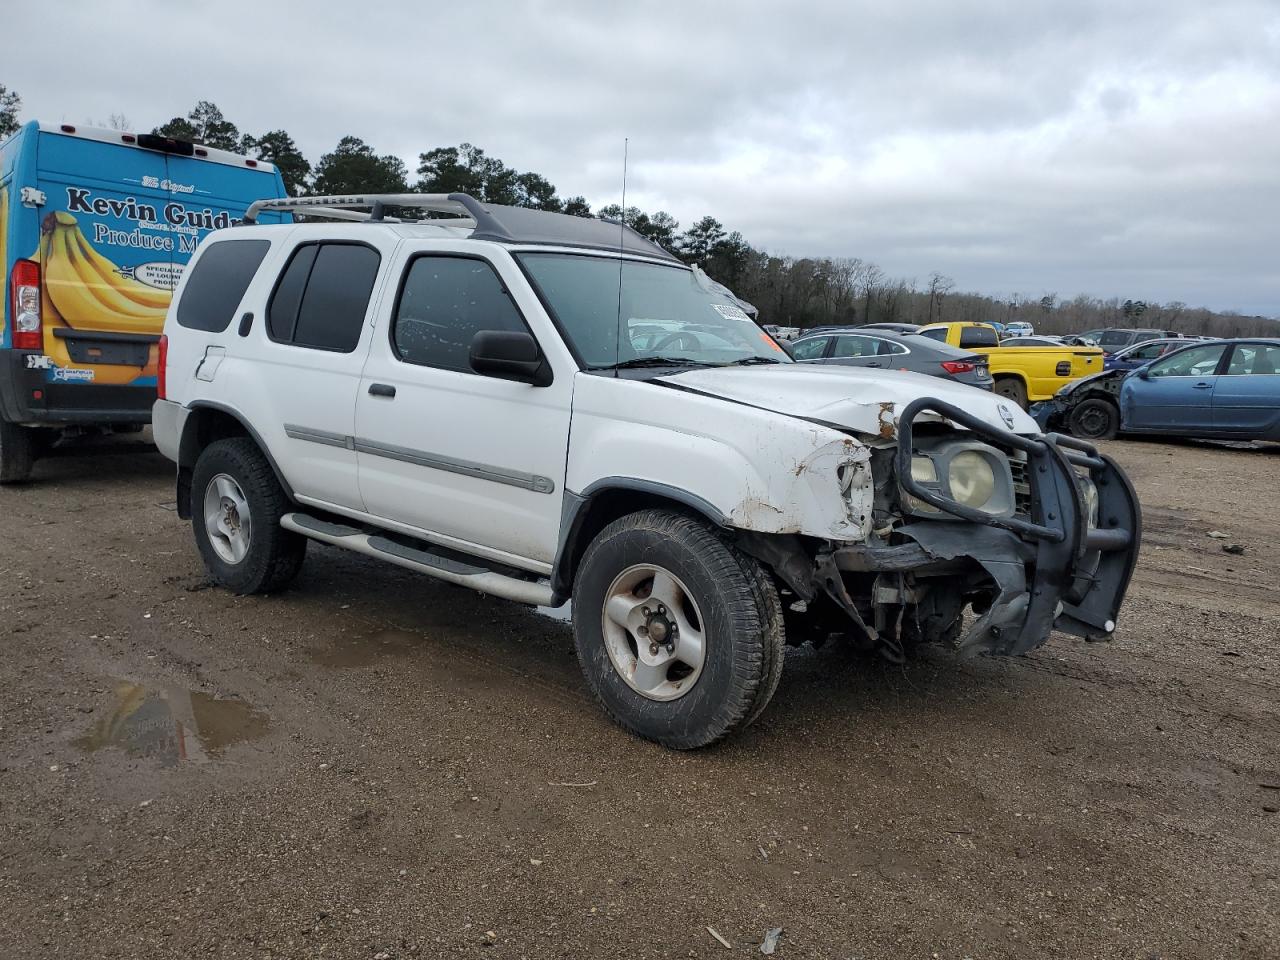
{"type": "Point", "coordinates": [864, 400]}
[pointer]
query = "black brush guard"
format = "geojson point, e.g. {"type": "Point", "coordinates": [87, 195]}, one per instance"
{"type": "Point", "coordinates": [1051, 571]}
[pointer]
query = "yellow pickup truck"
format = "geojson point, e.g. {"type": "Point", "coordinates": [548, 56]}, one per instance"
{"type": "Point", "coordinates": [1021, 374]}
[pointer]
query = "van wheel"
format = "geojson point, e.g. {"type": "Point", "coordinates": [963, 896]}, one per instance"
{"type": "Point", "coordinates": [679, 635]}
{"type": "Point", "coordinates": [1094, 419]}
{"type": "Point", "coordinates": [17, 452]}
{"type": "Point", "coordinates": [1011, 388]}
{"type": "Point", "coordinates": [236, 506]}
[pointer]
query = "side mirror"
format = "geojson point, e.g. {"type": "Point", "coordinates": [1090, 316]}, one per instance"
{"type": "Point", "coordinates": [509, 355]}
{"type": "Point", "coordinates": [1143, 373]}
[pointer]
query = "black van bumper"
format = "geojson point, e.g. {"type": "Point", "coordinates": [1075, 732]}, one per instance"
{"type": "Point", "coordinates": [27, 397]}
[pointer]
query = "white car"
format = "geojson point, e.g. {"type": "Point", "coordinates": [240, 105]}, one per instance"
{"type": "Point", "coordinates": [1019, 328]}
{"type": "Point", "coordinates": [545, 407]}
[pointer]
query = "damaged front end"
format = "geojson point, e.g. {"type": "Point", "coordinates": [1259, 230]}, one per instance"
{"type": "Point", "coordinates": [1030, 533]}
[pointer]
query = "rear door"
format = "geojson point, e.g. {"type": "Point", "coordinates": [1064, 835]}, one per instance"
{"type": "Point", "coordinates": [864, 350]}
{"type": "Point", "coordinates": [300, 371]}
{"type": "Point", "coordinates": [1176, 394]}
{"type": "Point", "coordinates": [105, 252]}
{"type": "Point", "coordinates": [1246, 398]}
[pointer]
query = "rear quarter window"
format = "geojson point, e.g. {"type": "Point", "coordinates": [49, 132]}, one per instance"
{"type": "Point", "coordinates": [217, 284]}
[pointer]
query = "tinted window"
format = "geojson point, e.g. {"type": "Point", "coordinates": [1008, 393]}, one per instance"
{"type": "Point", "coordinates": [218, 282]}
{"type": "Point", "coordinates": [1252, 359]}
{"type": "Point", "coordinates": [1115, 338]}
{"type": "Point", "coordinates": [810, 349]}
{"type": "Point", "coordinates": [337, 297]}
{"type": "Point", "coordinates": [1149, 352]}
{"type": "Point", "coordinates": [1196, 362]}
{"type": "Point", "coordinates": [445, 302]}
{"type": "Point", "coordinates": [282, 313]}
{"type": "Point", "coordinates": [853, 346]}
{"type": "Point", "coordinates": [979, 337]}
{"type": "Point", "coordinates": [937, 333]}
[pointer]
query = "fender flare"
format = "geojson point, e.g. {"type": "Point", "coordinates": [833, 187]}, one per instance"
{"type": "Point", "coordinates": [576, 508]}
{"type": "Point", "coordinates": [188, 451]}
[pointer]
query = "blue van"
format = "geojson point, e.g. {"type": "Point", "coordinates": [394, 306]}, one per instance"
{"type": "Point", "coordinates": [96, 227]}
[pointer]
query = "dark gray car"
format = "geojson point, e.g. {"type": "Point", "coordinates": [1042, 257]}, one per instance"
{"type": "Point", "coordinates": [882, 349]}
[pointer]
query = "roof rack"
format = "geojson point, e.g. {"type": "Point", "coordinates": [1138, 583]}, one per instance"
{"type": "Point", "coordinates": [487, 221]}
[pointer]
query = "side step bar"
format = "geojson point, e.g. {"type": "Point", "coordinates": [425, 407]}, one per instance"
{"type": "Point", "coordinates": [536, 593]}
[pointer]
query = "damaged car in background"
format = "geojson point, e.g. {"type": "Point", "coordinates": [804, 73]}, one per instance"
{"type": "Point", "coordinates": [620, 433]}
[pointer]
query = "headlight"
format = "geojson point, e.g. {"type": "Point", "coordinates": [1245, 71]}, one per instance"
{"type": "Point", "coordinates": [923, 471]}
{"type": "Point", "coordinates": [1090, 500]}
{"type": "Point", "coordinates": [974, 474]}
{"type": "Point", "coordinates": [971, 479]}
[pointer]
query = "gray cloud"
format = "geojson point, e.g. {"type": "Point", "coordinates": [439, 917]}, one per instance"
{"type": "Point", "coordinates": [1117, 149]}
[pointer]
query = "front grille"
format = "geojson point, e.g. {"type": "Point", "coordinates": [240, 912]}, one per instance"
{"type": "Point", "coordinates": [1021, 485]}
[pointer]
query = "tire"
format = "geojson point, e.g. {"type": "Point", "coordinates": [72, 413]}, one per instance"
{"type": "Point", "coordinates": [1094, 419]}
{"type": "Point", "coordinates": [1011, 388]}
{"type": "Point", "coordinates": [725, 598]}
{"type": "Point", "coordinates": [232, 478]}
{"type": "Point", "coordinates": [17, 452]}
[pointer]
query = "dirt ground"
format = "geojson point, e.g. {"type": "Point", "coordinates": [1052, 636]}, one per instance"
{"type": "Point", "coordinates": [377, 765]}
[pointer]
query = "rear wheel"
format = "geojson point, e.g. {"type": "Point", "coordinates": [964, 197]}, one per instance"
{"type": "Point", "coordinates": [236, 506]}
{"type": "Point", "coordinates": [17, 452]}
{"type": "Point", "coordinates": [678, 634]}
{"type": "Point", "coordinates": [1012, 389]}
{"type": "Point", "coordinates": [1094, 419]}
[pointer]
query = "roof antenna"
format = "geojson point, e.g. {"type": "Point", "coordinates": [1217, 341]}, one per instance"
{"type": "Point", "coordinates": [622, 237]}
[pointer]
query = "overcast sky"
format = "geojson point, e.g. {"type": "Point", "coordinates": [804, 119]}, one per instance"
{"type": "Point", "coordinates": [1125, 149]}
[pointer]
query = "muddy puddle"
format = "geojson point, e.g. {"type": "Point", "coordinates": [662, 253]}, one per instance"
{"type": "Point", "coordinates": [172, 724]}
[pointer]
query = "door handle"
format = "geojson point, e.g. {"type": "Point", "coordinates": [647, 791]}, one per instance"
{"type": "Point", "coordinates": [246, 322]}
{"type": "Point", "coordinates": [381, 390]}
{"type": "Point", "coordinates": [1203, 386]}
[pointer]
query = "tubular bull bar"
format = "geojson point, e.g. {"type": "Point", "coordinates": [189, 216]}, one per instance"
{"type": "Point", "coordinates": [1053, 570]}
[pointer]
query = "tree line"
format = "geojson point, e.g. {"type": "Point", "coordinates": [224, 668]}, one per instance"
{"type": "Point", "coordinates": [789, 291]}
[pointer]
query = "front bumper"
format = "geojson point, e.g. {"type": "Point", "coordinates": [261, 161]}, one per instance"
{"type": "Point", "coordinates": [1050, 569]}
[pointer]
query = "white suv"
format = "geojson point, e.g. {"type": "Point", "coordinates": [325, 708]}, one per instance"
{"type": "Point", "coordinates": [546, 407]}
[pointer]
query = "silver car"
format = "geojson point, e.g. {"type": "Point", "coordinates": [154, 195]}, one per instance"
{"type": "Point", "coordinates": [881, 349]}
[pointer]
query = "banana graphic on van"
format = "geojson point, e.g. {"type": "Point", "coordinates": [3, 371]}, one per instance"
{"type": "Point", "coordinates": [88, 291]}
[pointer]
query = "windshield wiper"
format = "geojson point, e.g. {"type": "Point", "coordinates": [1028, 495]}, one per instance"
{"type": "Point", "coordinates": [655, 362]}
{"type": "Point", "coordinates": [747, 361]}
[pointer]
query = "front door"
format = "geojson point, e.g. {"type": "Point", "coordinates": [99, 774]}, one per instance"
{"type": "Point", "coordinates": [1176, 393]}
{"type": "Point", "coordinates": [471, 461]}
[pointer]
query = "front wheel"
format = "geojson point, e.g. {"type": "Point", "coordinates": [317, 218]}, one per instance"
{"type": "Point", "coordinates": [236, 506]}
{"type": "Point", "coordinates": [1094, 419]}
{"type": "Point", "coordinates": [679, 635]}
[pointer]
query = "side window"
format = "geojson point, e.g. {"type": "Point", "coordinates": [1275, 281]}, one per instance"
{"type": "Point", "coordinates": [323, 296]}
{"type": "Point", "coordinates": [978, 337]}
{"type": "Point", "coordinates": [1253, 359]}
{"type": "Point", "coordinates": [444, 303]}
{"type": "Point", "coordinates": [811, 349]}
{"type": "Point", "coordinates": [1195, 362]}
{"type": "Point", "coordinates": [887, 348]}
{"type": "Point", "coordinates": [1147, 353]}
{"type": "Point", "coordinates": [937, 333]}
{"type": "Point", "coordinates": [855, 347]}
{"type": "Point", "coordinates": [218, 282]}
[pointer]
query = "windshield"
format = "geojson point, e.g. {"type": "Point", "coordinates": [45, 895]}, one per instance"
{"type": "Point", "coordinates": [667, 313]}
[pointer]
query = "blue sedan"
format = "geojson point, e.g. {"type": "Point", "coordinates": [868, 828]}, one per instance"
{"type": "Point", "coordinates": [1229, 389]}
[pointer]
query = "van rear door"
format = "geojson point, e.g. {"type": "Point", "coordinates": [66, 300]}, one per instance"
{"type": "Point", "coordinates": [105, 250]}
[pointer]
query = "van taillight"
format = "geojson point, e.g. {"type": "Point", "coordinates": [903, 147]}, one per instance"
{"type": "Point", "coordinates": [24, 293]}
{"type": "Point", "coordinates": [161, 365]}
